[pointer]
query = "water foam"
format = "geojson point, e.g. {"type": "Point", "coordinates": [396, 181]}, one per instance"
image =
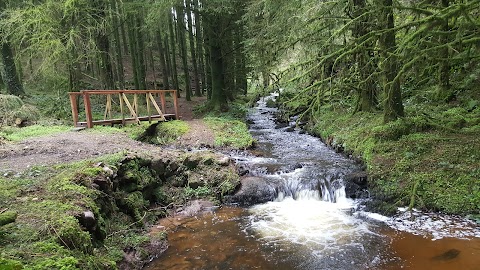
{"type": "Point", "coordinates": [429, 225]}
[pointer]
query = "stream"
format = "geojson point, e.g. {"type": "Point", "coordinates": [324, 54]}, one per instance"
{"type": "Point", "coordinates": [310, 223]}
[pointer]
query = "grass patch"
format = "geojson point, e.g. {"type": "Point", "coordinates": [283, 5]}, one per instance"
{"type": "Point", "coordinates": [18, 134]}
{"type": "Point", "coordinates": [162, 133]}
{"type": "Point", "coordinates": [230, 132]}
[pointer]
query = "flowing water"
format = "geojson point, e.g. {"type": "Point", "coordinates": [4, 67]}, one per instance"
{"type": "Point", "coordinates": [311, 224]}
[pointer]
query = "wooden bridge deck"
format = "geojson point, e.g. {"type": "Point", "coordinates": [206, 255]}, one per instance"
{"type": "Point", "coordinates": [132, 115]}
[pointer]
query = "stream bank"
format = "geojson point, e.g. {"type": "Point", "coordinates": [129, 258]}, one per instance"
{"type": "Point", "coordinates": [95, 214]}
{"type": "Point", "coordinates": [425, 161]}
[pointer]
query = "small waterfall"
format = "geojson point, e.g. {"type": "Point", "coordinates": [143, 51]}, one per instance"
{"type": "Point", "coordinates": [295, 185]}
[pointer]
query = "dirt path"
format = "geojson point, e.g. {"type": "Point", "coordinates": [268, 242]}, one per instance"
{"type": "Point", "coordinates": [74, 146]}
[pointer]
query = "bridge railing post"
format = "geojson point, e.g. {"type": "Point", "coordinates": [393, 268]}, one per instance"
{"type": "Point", "coordinates": [88, 109]}
{"type": "Point", "coordinates": [175, 103]}
{"type": "Point", "coordinates": [74, 105]}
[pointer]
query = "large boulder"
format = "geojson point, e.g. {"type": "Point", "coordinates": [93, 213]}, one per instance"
{"type": "Point", "coordinates": [356, 185]}
{"type": "Point", "coordinates": [253, 190]}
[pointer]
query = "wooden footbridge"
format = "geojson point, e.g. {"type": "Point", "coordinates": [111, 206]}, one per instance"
{"type": "Point", "coordinates": [123, 106]}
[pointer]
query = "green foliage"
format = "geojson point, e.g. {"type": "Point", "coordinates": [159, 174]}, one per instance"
{"type": "Point", "coordinates": [52, 106]}
{"type": "Point", "coordinates": [19, 134]}
{"type": "Point", "coordinates": [200, 192]}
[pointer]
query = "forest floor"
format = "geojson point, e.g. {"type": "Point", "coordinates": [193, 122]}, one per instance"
{"type": "Point", "coordinates": [73, 145]}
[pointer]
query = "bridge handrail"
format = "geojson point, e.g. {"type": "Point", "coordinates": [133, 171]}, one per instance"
{"type": "Point", "coordinates": [133, 110]}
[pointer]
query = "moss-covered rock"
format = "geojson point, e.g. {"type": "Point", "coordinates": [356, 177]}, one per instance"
{"type": "Point", "coordinates": [7, 217]}
{"type": "Point", "coordinates": [7, 264]}
{"type": "Point", "coordinates": [12, 108]}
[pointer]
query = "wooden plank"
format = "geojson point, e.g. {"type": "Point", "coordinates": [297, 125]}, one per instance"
{"type": "Point", "coordinates": [127, 120]}
{"type": "Point", "coordinates": [88, 109]}
{"type": "Point", "coordinates": [148, 108]}
{"type": "Point", "coordinates": [132, 111]}
{"type": "Point", "coordinates": [162, 100]}
{"type": "Point", "coordinates": [73, 103]}
{"type": "Point", "coordinates": [175, 103]}
{"type": "Point", "coordinates": [155, 104]}
{"type": "Point", "coordinates": [135, 104]}
{"type": "Point", "coordinates": [108, 108]}
{"type": "Point", "coordinates": [106, 92]}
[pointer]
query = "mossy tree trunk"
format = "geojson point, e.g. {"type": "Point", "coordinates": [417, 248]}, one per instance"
{"type": "Point", "coordinates": [364, 59]}
{"type": "Point", "coordinates": [392, 107]}
{"type": "Point", "coordinates": [444, 90]}
{"type": "Point", "coordinates": [10, 76]}
{"type": "Point", "coordinates": [168, 61]}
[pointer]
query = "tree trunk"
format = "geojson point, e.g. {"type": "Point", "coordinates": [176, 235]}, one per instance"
{"type": "Point", "coordinates": [218, 99]}
{"type": "Point", "coordinates": [200, 46]}
{"type": "Point", "coordinates": [366, 86]}
{"type": "Point", "coordinates": [183, 51]}
{"type": "Point", "coordinates": [174, 54]}
{"type": "Point", "coordinates": [11, 79]}
{"type": "Point", "coordinates": [444, 92]}
{"type": "Point", "coordinates": [228, 57]}
{"type": "Point", "coordinates": [117, 45]}
{"type": "Point", "coordinates": [163, 61]}
{"type": "Point", "coordinates": [193, 53]}
{"type": "Point", "coordinates": [103, 46]}
{"type": "Point", "coordinates": [133, 50]}
{"type": "Point", "coordinates": [208, 71]}
{"type": "Point", "coordinates": [123, 32]}
{"type": "Point", "coordinates": [393, 107]}
{"type": "Point", "coordinates": [140, 54]}
{"type": "Point", "coordinates": [168, 61]}
{"type": "Point", "coordinates": [240, 66]}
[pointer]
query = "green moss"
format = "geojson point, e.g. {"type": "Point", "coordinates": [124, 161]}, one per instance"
{"type": "Point", "coordinates": [7, 264]}
{"type": "Point", "coordinates": [137, 174]}
{"type": "Point", "coordinates": [70, 234]}
{"type": "Point", "coordinates": [135, 204]}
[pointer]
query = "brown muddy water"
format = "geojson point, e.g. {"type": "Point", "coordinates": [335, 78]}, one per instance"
{"type": "Point", "coordinates": [311, 223]}
{"type": "Point", "coordinates": [222, 240]}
